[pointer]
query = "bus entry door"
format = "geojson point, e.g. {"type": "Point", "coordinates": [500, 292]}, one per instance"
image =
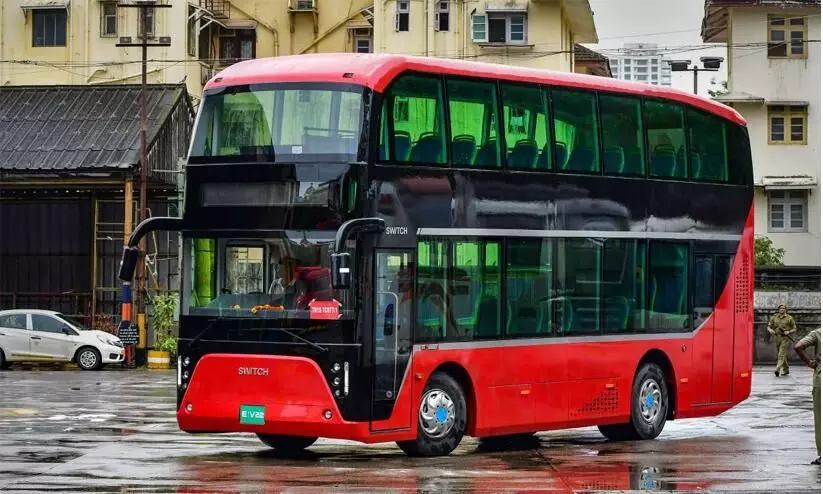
{"type": "Point", "coordinates": [393, 311]}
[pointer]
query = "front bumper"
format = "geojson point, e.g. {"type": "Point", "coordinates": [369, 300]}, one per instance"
{"type": "Point", "coordinates": [288, 395]}
{"type": "Point", "coordinates": [111, 354]}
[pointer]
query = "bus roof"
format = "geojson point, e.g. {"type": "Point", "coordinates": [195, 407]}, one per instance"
{"type": "Point", "coordinates": [376, 71]}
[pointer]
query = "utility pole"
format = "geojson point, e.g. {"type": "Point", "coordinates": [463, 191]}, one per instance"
{"type": "Point", "coordinates": [144, 8]}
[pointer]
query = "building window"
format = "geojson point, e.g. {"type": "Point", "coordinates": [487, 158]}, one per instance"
{"type": "Point", "coordinates": [108, 19]}
{"type": "Point", "coordinates": [441, 17]}
{"type": "Point", "coordinates": [150, 22]}
{"type": "Point", "coordinates": [191, 40]}
{"type": "Point", "coordinates": [401, 17]}
{"type": "Point", "coordinates": [49, 27]}
{"type": "Point", "coordinates": [237, 45]}
{"type": "Point", "coordinates": [499, 28]}
{"type": "Point", "coordinates": [479, 28]}
{"type": "Point", "coordinates": [787, 37]}
{"type": "Point", "coordinates": [787, 124]}
{"type": "Point", "coordinates": [362, 41]}
{"type": "Point", "coordinates": [787, 211]}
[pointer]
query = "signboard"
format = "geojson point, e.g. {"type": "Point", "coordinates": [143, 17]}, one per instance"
{"type": "Point", "coordinates": [128, 333]}
{"type": "Point", "coordinates": [324, 309]}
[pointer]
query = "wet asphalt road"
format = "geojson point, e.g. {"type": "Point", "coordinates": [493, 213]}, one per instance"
{"type": "Point", "coordinates": [115, 431]}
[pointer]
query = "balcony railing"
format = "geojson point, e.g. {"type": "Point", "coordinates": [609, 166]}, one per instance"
{"type": "Point", "coordinates": [219, 9]}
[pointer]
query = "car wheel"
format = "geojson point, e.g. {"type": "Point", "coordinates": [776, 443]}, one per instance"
{"type": "Point", "coordinates": [286, 444]}
{"type": "Point", "coordinates": [88, 358]}
{"type": "Point", "coordinates": [441, 418]}
{"type": "Point", "coordinates": [3, 363]}
{"type": "Point", "coordinates": [650, 407]}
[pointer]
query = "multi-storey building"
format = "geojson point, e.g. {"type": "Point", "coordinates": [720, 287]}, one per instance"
{"type": "Point", "coordinates": [534, 33]}
{"type": "Point", "coordinates": [641, 62]}
{"type": "Point", "coordinates": [774, 82]}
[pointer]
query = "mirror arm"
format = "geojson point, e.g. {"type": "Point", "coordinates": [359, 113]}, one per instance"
{"type": "Point", "coordinates": [131, 252]}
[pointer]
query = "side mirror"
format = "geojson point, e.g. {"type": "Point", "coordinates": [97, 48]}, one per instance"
{"type": "Point", "coordinates": [128, 263]}
{"type": "Point", "coordinates": [341, 270]}
{"type": "Point", "coordinates": [67, 331]}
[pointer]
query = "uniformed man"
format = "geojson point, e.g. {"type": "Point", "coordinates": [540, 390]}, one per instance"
{"type": "Point", "coordinates": [813, 339]}
{"type": "Point", "coordinates": [781, 325]}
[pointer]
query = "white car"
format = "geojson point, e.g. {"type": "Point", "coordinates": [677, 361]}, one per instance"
{"type": "Point", "coordinates": [44, 335]}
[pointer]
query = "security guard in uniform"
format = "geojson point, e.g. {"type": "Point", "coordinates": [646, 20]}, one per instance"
{"type": "Point", "coordinates": [781, 325]}
{"type": "Point", "coordinates": [813, 339]}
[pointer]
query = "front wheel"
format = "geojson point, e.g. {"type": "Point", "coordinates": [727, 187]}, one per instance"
{"type": "Point", "coordinates": [441, 418]}
{"type": "Point", "coordinates": [650, 407]}
{"type": "Point", "coordinates": [88, 358]}
{"type": "Point", "coordinates": [286, 444]}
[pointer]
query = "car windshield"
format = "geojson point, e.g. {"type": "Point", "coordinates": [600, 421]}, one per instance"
{"type": "Point", "coordinates": [280, 123]}
{"type": "Point", "coordinates": [282, 276]}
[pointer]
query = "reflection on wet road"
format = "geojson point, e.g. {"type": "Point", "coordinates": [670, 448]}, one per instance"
{"type": "Point", "coordinates": [115, 431]}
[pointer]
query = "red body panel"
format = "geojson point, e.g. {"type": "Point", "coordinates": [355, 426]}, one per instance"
{"type": "Point", "coordinates": [539, 385]}
{"type": "Point", "coordinates": [377, 72]}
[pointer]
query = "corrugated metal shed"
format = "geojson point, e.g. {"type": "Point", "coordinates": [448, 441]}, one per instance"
{"type": "Point", "coordinates": [64, 129]}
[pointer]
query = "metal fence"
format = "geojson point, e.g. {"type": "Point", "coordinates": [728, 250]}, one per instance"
{"type": "Point", "coordinates": [788, 278]}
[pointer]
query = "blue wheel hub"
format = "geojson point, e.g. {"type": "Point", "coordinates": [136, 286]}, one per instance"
{"type": "Point", "coordinates": [649, 401]}
{"type": "Point", "coordinates": [440, 415]}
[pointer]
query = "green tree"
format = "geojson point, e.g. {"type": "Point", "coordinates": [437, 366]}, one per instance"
{"type": "Point", "coordinates": [163, 308]}
{"type": "Point", "coordinates": [766, 254]}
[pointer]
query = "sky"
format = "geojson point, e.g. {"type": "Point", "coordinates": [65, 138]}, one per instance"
{"type": "Point", "coordinates": [669, 23]}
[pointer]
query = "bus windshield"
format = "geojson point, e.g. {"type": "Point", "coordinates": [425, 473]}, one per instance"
{"type": "Point", "coordinates": [280, 123]}
{"type": "Point", "coordinates": [281, 276]}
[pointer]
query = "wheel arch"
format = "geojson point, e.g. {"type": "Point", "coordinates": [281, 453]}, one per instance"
{"type": "Point", "coordinates": [659, 357]}
{"type": "Point", "coordinates": [459, 374]}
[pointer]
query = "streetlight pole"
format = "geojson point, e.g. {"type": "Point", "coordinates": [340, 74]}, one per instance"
{"type": "Point", "coordinates": [143, 6]}
{"type": "Point", "coordinates": [710, 64]}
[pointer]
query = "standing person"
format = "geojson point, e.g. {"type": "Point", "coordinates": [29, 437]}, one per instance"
{"type": "Point", "coordinates": [813, 339]}
{"type": "Point", "coordinates": [781, 325]}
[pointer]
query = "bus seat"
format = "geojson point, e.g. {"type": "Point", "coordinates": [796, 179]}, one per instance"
{"type": "Point", "coordinates": [663, 161]}
{"type": "Point", "coordinates": [487, 156]}
{"type": "Point", "coordinates": [616, 311]}
{"type": "Point", "coordinates": [679, 169]}
{"type": "Point", "coordinates": [560, 155]}
{"type": "Point", "coordinates": [524, 154]}
{"type": "Point", "coordinates": [427, 149]}
{"type": "Point", "coordinates": [581, 159]}
{"type": "Point", "coordinates": [402, 145]}
{"type": "Point", "coordinates": [525, 320]}
{"type": "Point", "coordinates": [487, 318]}
{"type": "Point", "coordinates": [463, 149]}
{"type": "Point", "coordinates": [633, 163]}
{"type": "Point", "coordinates": [614, 160]}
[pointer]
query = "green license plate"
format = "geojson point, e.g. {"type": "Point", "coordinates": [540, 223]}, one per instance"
{"type": "Point", "coordinates": [252, 414]}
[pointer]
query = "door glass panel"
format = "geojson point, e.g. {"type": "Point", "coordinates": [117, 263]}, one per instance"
{"type": "Point", "coordinates": [703, 289]}
{"type": "Point", "coordinates": [13, 321]}
{"type": "Point", "coordinates": [46, 324]}
{"type": "Point", "coordinates": [392, 320]}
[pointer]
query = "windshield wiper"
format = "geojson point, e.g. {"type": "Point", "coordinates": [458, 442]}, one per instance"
{"type": "Point", "coordinates": [304, 340]}
{"type": "Point", "coordinates": [201, 333]}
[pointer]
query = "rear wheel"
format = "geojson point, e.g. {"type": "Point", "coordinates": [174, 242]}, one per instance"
{"type": "Point", "coordinates": [650, 407]}
{"type": "Point", "coordinates": [2, 360]}
{"type": "Point", "coordinates": [286, 444]}
{"type": "Point", "coordinates": [441, 418]}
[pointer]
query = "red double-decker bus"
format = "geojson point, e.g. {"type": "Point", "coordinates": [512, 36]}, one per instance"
{"type": "Point", "coordinates": [390, 248]}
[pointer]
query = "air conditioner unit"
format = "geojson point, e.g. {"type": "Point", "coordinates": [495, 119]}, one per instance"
{"type": "Point", "coordinates": [304, 4]}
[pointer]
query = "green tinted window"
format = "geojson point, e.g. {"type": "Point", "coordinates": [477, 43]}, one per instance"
{"type": "Point", "coordinates": [667, 139]}
{"type": "Point", "coordinates": [575, 131]}
{"type": "Point", "coordinates": [620, 118]}
{"type": "Point", "coordinates": [578, 286]}
{"type": "Point", "coordinates": [525, 117]}
{"type": "Point", "coordinates": [528, 287]}
{"type": "Point", "coordinates": [668, 287]}
{"type": "Point", "coordinates": [740, 154]}
{"type": "Point", "coordinates": [473, 115]}
{"type": "Point", "coordinates": [623, 290]}
{"type": "Point", "coordinates": [418, 116]}
{"type": "Point", "coordinates": [431, 290]}
{"type": "Point", "coordinates": [707, 143]}
{"type": "Point", "coordinates": [475, 289]}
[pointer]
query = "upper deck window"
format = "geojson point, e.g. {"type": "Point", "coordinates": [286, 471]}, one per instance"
{"type": "Point", "coordinates": [417, 116]}
{"type": "Point", "coordinates": [666, 138]}
{"type": "Point", "coordinates": [281, 123]}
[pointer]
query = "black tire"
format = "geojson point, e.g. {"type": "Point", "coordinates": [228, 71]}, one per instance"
{"type": "Point", "coordinates": [3, 363]}
{"type": "Point", "coordinates": [88, 358]}
{"type": "Point", "coordinates": [286, 444]}
{"type": "Point", "coordinates": [647, 421]}
{"type": "Point", "coordinates": [443, 389]}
